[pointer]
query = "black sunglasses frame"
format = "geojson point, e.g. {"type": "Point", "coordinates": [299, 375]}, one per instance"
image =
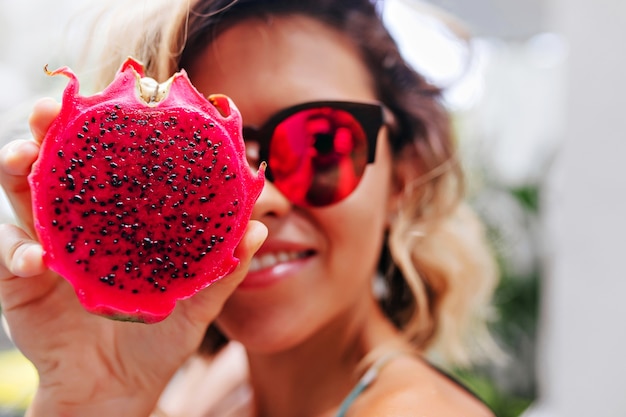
{"type": "Point", "coordinates": [371, 116]}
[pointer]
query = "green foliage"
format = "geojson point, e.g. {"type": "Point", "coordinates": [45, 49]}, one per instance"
{"type": "Point", "coordinates": [509, 388]}
{"type": "Point", "coordinates": [528, 196]}
{"type": "Point", "coordinates": [502, 403]}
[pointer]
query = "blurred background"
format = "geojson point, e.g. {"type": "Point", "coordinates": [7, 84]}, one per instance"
{"type": "Point", "coordinates": [537, 96]}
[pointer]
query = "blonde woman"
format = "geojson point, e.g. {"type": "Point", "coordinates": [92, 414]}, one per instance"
{"type": "Point", "coordinates": [380, 270]}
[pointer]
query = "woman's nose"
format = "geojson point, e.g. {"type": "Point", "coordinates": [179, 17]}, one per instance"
{"type": "Point", "coordinates": [271, 202]}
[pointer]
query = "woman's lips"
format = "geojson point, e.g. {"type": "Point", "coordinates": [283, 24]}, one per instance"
{"type": "Point", "coordinates": [270, 266]}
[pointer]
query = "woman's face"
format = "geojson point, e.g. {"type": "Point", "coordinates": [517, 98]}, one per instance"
{"type": "Point", "coordinates": [315, 269]}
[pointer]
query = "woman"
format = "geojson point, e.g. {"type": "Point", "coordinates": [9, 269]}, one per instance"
{"type": "Point", "coordinates": [308, 332]}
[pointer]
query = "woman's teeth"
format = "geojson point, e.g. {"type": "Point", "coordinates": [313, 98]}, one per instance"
{"type": "Point", "coordinates": [268, 260]}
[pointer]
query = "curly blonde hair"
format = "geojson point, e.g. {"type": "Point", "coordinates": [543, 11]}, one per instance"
{"type": "Point", "coordinates": [439, 271]}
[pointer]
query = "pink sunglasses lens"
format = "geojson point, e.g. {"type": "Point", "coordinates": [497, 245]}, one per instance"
{"type": "Point", "coordinates": [318, 156]}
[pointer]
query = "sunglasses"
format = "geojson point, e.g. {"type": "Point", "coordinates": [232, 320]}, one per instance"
{"type": "Point", "coordinates": [317, 152]}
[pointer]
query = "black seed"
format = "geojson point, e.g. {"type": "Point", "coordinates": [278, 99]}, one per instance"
{"type": "Point", "coordinates": [70, 248]}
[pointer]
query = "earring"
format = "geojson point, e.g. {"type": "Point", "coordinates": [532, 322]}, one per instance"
{"type": "Point", "coordinates": [380, 287]}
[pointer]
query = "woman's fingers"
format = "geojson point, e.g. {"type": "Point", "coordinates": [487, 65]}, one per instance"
{"type": "Point", "coordinates": [16, 159]}
{"type": "Point", "coordinates": [44, 112]}
{"type": "Point", "coordinates": [255, 235]}
{"type": "Point", "coordinates": [19, 255]}
{"type": "Point", "coordinates": [21, 259]}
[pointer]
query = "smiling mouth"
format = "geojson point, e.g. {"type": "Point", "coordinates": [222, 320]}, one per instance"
{"type": "Point", "coordinates": [268, 260]}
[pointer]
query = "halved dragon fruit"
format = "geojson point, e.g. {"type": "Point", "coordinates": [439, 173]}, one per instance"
{"type": "Point", "coordinates": [142, 192]}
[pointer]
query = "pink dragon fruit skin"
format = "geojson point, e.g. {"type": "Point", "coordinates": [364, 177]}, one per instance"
{"type": "Point", "coordinates": [142, 192]}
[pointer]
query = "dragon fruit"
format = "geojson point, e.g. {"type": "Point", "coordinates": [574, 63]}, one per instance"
{"type": "Point", "coordinates": [142, 192]}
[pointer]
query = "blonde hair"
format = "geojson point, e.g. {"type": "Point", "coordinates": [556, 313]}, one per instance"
{"type": "Point", "coordinates": [436, 245]}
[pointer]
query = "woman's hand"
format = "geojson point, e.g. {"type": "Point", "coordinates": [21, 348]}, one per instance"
{"type": "Point", "coordinates": [90, 365]}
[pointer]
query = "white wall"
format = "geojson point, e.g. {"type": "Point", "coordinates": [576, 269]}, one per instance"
{"type": "Point", "coordinates": [583, 333]}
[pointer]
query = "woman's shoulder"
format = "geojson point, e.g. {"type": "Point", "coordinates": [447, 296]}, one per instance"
{"type": "Point", "coordinates": [408, 385]}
